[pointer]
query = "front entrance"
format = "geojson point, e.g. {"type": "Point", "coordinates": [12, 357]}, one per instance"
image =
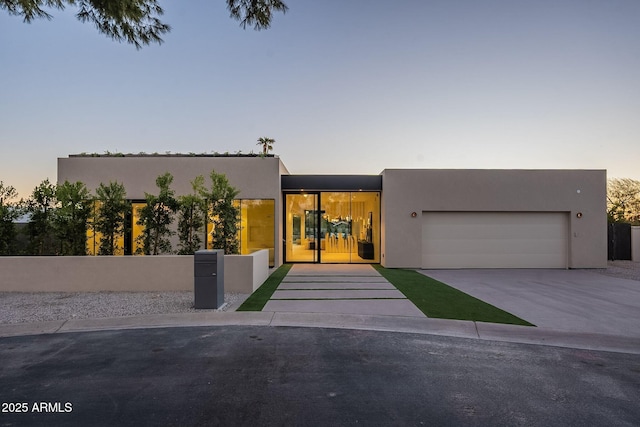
{"type": "Point", "coordinates": [332, 227]}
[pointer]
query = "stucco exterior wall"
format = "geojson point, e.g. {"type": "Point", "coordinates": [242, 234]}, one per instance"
{"type": "Point", "coordinates": [243, 273]}
{"type": "Point", "coordinates": [635, 244]}
{"type": "Point", "coordinates": [246, 272]}
{"type": "Point", "coordinates": [139, 173]}
{"type": "Point", "coordinates": [572, 191]}
{"type": "Point", "coordinates": [254, 177]}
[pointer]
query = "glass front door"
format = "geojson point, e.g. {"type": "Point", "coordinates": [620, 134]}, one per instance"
{"type": "Point", "coordinates": [301, 227]}
{"type": "Point", "coordinates": [332, 227]}
{"type": "Point", "coordinates": [338, 241]}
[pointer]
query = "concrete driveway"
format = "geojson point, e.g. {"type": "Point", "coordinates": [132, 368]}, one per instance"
{"type": "Point", "coordinates": [564, 300]}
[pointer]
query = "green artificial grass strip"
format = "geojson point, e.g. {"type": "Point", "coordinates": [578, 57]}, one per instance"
{"type": "Point", "coordinates": [259, 298]}
{"type": "Point", "coordinates": [435, 299]}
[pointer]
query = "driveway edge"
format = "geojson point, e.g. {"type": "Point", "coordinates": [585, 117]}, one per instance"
{"type": "Point", "coordinates": [425, 326]}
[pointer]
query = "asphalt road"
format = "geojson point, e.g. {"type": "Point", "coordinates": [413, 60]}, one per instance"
{"type": "Point", "coordinates": [252, 376]}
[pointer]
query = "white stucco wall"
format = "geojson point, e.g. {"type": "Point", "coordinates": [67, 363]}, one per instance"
{"type": "Point", "coordinates": [139, 173]}
{"type": "Point", "coordinates": [572, 191]}
{"type": "Point", "coordinates": [246, 273]}
{"type": "Point", "coordinates": [242, 273]}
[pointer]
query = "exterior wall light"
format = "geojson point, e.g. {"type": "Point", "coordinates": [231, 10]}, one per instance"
{"type": "Point", "coordinates": [413, 214]}
{"type": "Point", "coordinates": [579, 215]}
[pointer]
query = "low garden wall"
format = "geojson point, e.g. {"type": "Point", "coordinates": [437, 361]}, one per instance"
{"type": "Point", "coordinates": [243, 273]}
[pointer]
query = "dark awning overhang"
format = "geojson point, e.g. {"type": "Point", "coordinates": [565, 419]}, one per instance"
{"type": "Point", "coordinates": [331, 182]}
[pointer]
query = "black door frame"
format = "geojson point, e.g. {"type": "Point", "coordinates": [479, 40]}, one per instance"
{"type": "Point", "coordinates": [318, 258]}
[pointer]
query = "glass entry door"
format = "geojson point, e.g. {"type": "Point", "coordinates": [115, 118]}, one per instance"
{"type": "Point", "coordinates": [301, 227]}
{"type": "Point", "coordinates": [336, 233]}
{"type": "Point", "coordinates": [332, 227]}
{"type": "Point", "coordinates": [350, 224]}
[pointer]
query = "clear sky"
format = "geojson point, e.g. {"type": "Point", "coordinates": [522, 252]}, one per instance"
{"type": "Point", "coordinates": [343, 86]}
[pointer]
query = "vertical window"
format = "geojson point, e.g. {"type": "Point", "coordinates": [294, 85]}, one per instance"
{"type": "Point", "coordinates": [350, 230]}
{"type": "Point", "coordinates": [127, 243]}
{"type": "Point", "coordinates": [94, 238]}
{"type": "Point", "coordinates": [137, 247]}
{"type": "Point", "coordinates": [256, 228]}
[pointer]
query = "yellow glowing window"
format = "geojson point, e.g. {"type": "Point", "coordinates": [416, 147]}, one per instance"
{"type": "Point", "coordinates": [94, 238]}
{"type": "Point", "coordinates": [256, 228]}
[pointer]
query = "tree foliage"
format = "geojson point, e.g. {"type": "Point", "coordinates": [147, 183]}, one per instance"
{"type": "Point", "coordinates": [223, 213]}
{"type": "Point", "coordinates": [9, 212]}
{"type": "Point", "coordinates": [623, 200]}
{"type": "Point", "coordinates": [137, 21]}
{"type": "Point", "coordinates": [75, 206]}
{"type": "Point", "coordinates": [258, 13]}
{"type": "Point", "coordinates": [267, 144]}
{"type": "Point", "coordinates": [157, 216]}
{"type": "Point", "coordinates": [42, 207]}
{"type": "Point", "coordinates": [133, 21]}
{"type": "Point", "coordinates": [109, 220]}
{"type": "Point", "coordinates": [191, 218]}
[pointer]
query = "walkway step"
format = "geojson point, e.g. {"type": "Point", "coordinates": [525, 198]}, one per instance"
{"type": "Point", "coordinates": [338, 294]}
{"type": "Point", "coordinates": [335, 285]}
{"type": "Point", "coordinates": [328, 278]}
{"type": "Point", "coordinates": [381, 307]}
{"type": "Point", "coordinates": [333, 269]}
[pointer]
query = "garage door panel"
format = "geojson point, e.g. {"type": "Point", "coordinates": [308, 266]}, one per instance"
{"type": "Point", "coordinates": [493, 246]}
{"type": "Point", "coordinates": [513, 231]}
{"type": "Point", "coordinates": [494, 240]}
{"type": "Point", "coordinates": [488, 261]}
{"type": "Point", "coordinates": [497, 232]}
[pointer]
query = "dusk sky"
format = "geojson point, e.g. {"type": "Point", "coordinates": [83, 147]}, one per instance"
{"type": "Point", "coordinates": [343, 86]}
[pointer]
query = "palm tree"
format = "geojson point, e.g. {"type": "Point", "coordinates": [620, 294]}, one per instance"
{"type": "Point", "coordinates": [267, 144]}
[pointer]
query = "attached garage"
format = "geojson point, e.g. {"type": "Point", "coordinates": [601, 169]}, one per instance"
{"type": "Point", "coordinates": [495, 239]}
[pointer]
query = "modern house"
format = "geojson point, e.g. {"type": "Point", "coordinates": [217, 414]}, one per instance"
{"type": "Point", "coordinates": [413, 218]}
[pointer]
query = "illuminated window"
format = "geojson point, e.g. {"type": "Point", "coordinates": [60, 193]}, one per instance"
{"type": "Point", "coordinates": [257, 226]}
{"type": "Point", "coordinates": [94, 238]}
{"type": "Point", "coordinates": [256, 229]}
{"type": "Point", "coordinates": [332, 227]}
{"type": "Point", "coordinates": [136, 230]}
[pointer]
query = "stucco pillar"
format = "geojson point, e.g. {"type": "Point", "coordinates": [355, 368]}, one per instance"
{"type": "Point", "coordinates": [635, 244]}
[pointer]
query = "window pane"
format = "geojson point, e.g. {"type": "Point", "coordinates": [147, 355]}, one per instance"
{"type": "Point", "coordinates": [337, 241]}
{"type": "Point", "coordinates": [350, 230]}
{"type": "Point", "coordinates": [136, 230]}
{"type": "Point", "coordinates": [365, 211]}
{"type": "Point", "coordinates": [301, 234]}
{"type": "Point", "coordinates": [94, 238]}
{"type": "Point", "coordinates": [257, 226]}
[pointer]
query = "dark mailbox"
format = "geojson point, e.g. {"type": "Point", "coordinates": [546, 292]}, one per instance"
{"type": "Point", "coordinates": [208, 271]}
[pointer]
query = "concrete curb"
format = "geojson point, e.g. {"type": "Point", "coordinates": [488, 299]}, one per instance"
{"type": "Point", "coordinates": [399, 324]}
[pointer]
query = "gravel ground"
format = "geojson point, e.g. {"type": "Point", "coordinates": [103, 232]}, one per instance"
{"type": "Point", "coordinates": [622, 269]}
{"type": "Point", "coordinates": [28, 307]}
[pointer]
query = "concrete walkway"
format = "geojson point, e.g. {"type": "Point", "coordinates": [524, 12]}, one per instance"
{"type": "Point", "coordinates": [339, 289]}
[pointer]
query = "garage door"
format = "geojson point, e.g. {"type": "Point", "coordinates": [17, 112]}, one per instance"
{"type": "Point", "coordinates": [495, 240]}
